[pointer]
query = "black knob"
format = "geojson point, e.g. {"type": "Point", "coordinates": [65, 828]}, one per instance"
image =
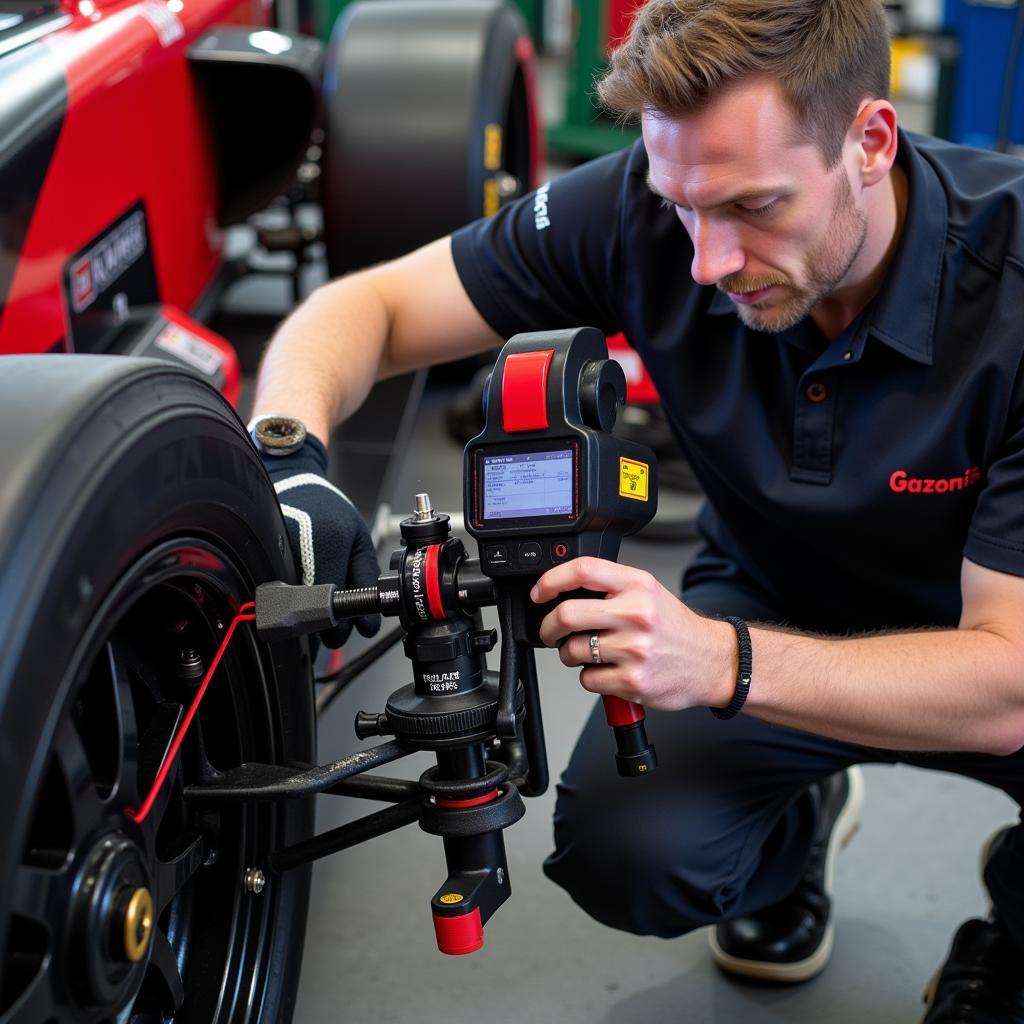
{"type": "Point", "coordinates": [369, 723]}
{"type": "Point", "coordinates": [602, 391]}
{"type": "Point", "coordinates": [485, 641]}
{"type": "Point", "coordinates": [633, 765]}
{"type": "Point", "coordinates": [634, 756]}
{"type": "Point", "coordinates": [420, 533]}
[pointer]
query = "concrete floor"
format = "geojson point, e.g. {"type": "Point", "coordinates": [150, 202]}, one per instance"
{"type": "Point", "coordinates": [902, 887]}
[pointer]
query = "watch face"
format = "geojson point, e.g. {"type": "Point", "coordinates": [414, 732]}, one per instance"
{"type": "Point", "coordinates": [280, 435]}
{"type": "Point", "coordinates": [279, 430]}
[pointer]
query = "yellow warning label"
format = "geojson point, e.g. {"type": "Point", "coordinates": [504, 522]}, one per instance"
{"type": "Point", "coordinates": [492, 147]}
{"type": "Point", "coordinates": [633, 479]}
{"type": "Point", "coordinates": [451, 897]}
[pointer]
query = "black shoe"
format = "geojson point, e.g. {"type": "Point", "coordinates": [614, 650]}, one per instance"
{"type": "Point", "coordinates": [792, 940]}
{"type": "Point", "coordinates": [982, 980]}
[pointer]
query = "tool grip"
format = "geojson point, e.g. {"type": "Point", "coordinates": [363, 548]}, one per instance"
{"type": "Point", "coordinates": [633, 755]}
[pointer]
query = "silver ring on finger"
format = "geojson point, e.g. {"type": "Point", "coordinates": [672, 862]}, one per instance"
{"type": "Point", "coordinates": [595, 648]}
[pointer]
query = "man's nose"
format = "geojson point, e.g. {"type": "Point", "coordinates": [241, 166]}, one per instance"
{"type": "Point", "coordinates": [717, 252]}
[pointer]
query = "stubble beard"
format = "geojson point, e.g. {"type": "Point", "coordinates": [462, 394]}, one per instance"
{"type": "Point", "coordinates": [825, 267]}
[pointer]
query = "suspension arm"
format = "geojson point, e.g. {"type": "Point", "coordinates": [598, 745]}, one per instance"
{"type": "Point", "coordinates": [377, 824]}
{"type": "Point", "coordinates": [252, 781]}
{"type": "Point", "coordinates": [375, 787]}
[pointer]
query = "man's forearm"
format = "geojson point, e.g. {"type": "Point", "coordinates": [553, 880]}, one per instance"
{"type": "Point", "coordinates": [325, 357]}
{"type": "Point", "coordinates": [947, 690]}
{"type": "Point", "coordinates": [951, 690]}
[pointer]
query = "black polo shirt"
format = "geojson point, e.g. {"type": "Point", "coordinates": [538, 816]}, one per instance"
{"type": "Point", "coordinates": [846, 480]}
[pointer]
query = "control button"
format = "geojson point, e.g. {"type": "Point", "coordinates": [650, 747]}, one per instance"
{"type": "Point", "coordinates": [560, 551]}
{"type": "Point", "coordinates": [529, 553]}
{"type": "Point", "coordinates": [496, 554]}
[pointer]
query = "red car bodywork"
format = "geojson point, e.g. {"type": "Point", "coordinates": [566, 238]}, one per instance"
{"type": "Point", "coordinates": [108, 175]}
{"type": "Point", "coordinates": [111, 190]}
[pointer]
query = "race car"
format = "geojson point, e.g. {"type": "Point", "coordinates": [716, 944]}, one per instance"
{"type": "Point", "coordinates": [133, 132]}
{"type": "Point", "coordinates": [135, 516]}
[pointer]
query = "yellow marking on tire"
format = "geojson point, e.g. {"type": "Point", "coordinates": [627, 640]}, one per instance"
{"type": "Point", "coordinates": [492, 147]}
{"type": "Point", "coordinates": [491, 200]}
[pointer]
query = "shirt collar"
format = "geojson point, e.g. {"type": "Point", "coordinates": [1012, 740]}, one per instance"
{"type": "Point", "coordinates": [903, 313]}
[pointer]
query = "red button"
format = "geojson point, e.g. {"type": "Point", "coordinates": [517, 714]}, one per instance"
{"type": "Point", "coordinates": [457, 936]}
{"type": "Point", "coordinates": [524, 390]}
{"type": "Point", "coordinates": [559, 551]}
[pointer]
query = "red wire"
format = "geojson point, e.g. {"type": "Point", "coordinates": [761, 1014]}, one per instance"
{"type": "Point", "coordinates": [245, 614]}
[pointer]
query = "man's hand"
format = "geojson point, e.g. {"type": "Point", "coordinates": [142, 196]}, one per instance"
{"type": "Point", "coordinates": [329, 539]}
{"type": "Point", "coordinates": [654, 650]}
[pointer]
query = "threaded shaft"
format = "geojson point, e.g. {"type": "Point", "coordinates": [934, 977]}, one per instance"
{"type": "Point", "coordinates": [361, 601]}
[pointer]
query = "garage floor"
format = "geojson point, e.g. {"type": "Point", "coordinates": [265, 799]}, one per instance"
{"type": "Point", "coordinates": [903, 885]}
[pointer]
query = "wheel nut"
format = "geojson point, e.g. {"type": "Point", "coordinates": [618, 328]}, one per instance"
{"type": "Point", "coordinates": [138, 924]}
{"type": "Point", "coordinates": [190, 666]}
{"type": "Point", "coordinates": [254, 880]}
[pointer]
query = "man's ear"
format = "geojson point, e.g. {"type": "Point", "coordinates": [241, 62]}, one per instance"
{"type": "Point", "coordinates": [873, 134]}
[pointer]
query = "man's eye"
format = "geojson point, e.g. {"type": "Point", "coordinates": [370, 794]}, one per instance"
{"type": "Point", "coordinates": [667, 204]}
{"type": "Point", "coordinates": [760, 211]}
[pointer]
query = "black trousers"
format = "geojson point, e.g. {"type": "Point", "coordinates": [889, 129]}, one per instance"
{"type": "Point", "coordinates": [723, 828]}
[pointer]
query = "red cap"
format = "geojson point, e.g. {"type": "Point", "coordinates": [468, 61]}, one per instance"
{"type": "Point", "coordinates": [459, 935]}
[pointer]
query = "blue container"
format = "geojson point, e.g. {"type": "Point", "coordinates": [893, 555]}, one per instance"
{"type": "Point", "coordinates": [985, 32]}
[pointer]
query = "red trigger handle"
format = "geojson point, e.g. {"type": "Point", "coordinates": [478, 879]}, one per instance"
{"type": "Point", "coordinates": [633, 755]}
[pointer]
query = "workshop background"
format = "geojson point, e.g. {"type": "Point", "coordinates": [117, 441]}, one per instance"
{"type": "Point", "coordinates": [908, 879]}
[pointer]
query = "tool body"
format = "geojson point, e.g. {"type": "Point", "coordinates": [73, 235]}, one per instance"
{"type": "Point", "coordinates": [546, 481]}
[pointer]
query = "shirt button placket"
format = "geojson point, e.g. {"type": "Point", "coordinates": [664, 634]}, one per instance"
{"type": "Point", "coordinates": [812, 432]}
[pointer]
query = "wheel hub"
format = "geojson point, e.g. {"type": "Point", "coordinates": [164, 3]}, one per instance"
{"type": "Point", "coordinates": [112, 919]}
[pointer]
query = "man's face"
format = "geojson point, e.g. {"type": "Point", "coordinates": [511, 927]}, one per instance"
{"type": "Point", "coordinates": [771, 226]}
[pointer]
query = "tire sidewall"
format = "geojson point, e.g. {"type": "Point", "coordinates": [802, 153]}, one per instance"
{"type": "Point", "coordinates": [373, 209]}
{"type": "Point", "coordinates": [161, 457]}
{"type": "Point", "coordinates": [502, 61]}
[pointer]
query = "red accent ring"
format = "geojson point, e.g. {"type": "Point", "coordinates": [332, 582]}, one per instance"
{"type": "Point", "coordinates": [430, 570]}
{"type": "Point", "coordinates": [622, 712]}
{"type": "Point", "coordinates": [474, 801]}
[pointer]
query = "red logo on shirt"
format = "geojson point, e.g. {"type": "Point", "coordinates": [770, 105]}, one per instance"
{"type": "Point", "coordinates": [903, 484]}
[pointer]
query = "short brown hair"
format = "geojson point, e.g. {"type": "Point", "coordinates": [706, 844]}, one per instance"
{"type": "Point", "coordinates": [827, 55]}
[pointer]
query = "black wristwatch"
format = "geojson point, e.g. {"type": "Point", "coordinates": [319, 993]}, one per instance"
{"type": "Point", "coordinates": [277, 435]}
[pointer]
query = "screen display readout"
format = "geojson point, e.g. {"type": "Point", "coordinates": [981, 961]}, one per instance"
{"type": "Point", "coordinates": [530, 484]}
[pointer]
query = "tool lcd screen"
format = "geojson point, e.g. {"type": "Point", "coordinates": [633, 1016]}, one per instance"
{"type": "Point", "coordinates": [525, 485]}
